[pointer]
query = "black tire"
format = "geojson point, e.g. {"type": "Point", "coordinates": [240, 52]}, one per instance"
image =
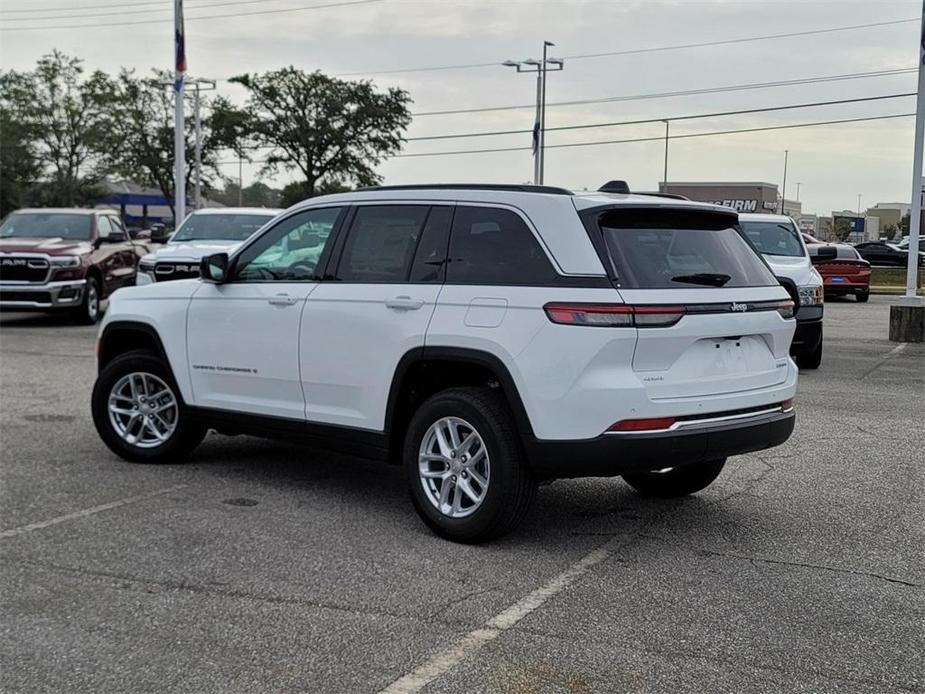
{"type": "Point", "coordinates": [863, 296]}
{"type": "Point", "coordinates": [511, 487]}
{"type": "Point", "coordinates": [675, 482]}
{"type": "Point", "coordinates": [811, 360]}
{"type": "Point", "coordinates": [88, 313]}
{"type": "Point", "coordinates": [186, 436]}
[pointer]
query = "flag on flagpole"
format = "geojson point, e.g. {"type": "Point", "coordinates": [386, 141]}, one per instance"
{"type": "Point", "coordinates": [179, 45]}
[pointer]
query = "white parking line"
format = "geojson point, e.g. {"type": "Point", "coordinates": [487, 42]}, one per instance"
{"type": "Point", "coordinates": [896, 350]}
{"type": "Point", "coordinates": [23, 529]}
{"type": "Point", "coordinates": [444, 661]}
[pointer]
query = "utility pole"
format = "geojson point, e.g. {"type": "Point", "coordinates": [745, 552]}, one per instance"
{"type": "Point", "coordinates": [665, 174]}
{"type": "Point", "coordinates": [201, 85]}
{"type": "Point", "coordinates": [179, 138]}
{"type": "Point", "coordinates": [240, 181]}
{"type": "Point", "coordinates": [783, 192]}
{"type": "Point", "coordinates": [540, 67]}
{"type": "Point", "coordinates": [798, 191]}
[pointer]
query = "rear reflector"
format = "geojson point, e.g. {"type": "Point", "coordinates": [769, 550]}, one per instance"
{"type": "Point", "coordinates": [614, 315]}
{"type": "Point", "coordinates": [657, 424]}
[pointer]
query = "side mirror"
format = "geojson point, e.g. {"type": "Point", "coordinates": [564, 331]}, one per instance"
{"type": "Point", "coordinates": [214, 268]}
{"type": "Point", "coordinates": [826, 253]}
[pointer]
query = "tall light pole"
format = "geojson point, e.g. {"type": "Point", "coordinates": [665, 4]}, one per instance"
{"type": "Point", "coordinates": [179, 138]}
{"type": "Point", "coordinates": [665, 174]}
{"type": "Point", "coordinates": [540, 67]}
{"type": "Point", "coordinates": [907, 317]}
{"type": "Point", "coordinates": [798, 191]}
{"type": "Point", "coordinates": [859, 205]}
{"type": "Point", "coordinates": [783, 191]}
{"type": "Point", "coordinates": [201, 85]}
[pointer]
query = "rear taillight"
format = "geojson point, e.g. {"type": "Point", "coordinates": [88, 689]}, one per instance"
{"type": "Point", "coordinates": [655, 424]}
{"type": "Point", "coordinates": [614, 315]}
{"type": "Point", "coordinates": [785, 309]}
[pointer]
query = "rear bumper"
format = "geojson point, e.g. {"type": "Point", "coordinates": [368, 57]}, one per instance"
{"type": "Point", "coordinates": [616, 454]}
{"type": "Point", "coordinates": [50, 296]}
{"type": "Point", "coordinates": [850, 284]}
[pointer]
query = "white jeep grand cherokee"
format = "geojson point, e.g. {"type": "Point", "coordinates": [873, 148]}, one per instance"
{"type": "Point", "coordinates": [484, 337]}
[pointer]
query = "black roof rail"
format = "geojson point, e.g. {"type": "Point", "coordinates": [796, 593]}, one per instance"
{"type": "Point", "coordinates": [510, 187]}
{"type": "Point", "coordinates": [615, 187]}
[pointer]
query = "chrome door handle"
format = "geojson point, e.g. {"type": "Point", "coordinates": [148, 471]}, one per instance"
{"type": "Point", "coordinates": [282, 300]}
{"type": "Point", "coordinates": [405, 303]}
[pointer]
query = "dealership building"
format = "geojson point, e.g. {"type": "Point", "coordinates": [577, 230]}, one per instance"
{"type": "Point", "coordinates": [742, 197]}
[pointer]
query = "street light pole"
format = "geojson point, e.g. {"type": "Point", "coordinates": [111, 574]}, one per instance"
{"type": "Point", "coordinates": [540, 67]}
{"type": "Point", "coordinates": [665, 174]}
{"type": "Point", "coordinates": [798, 191]}
{"type": "Point", "coordinates": [201, 85]}
{"type": "Point", "coordinates": [783, 192]}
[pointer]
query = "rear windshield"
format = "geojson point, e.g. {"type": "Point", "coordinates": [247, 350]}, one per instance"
{"type": "Point", "coordinates": [774, 238]}
{"type": "Point", "coordinates": [219, 227]}
{"type": "Point", "coordinates": [46, 225]}
{"type": "Point", "coordinates": [677, 249]}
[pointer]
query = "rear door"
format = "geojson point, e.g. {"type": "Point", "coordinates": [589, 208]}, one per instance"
{"type": "Point", "coordinates": [373, 309]}
{"type": "Point", "coordinates": [709, 313]}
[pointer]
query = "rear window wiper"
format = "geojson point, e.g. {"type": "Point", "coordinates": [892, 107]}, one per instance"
{"type": "Point", "coordinates": [711, 279]}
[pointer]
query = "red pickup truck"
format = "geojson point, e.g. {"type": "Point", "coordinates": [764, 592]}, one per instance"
{"type": "Point", "coordinates": [65, 260]}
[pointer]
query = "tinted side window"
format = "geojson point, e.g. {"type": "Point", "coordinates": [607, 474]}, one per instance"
{"type": "Point", "coordinates": [290, 251]}
{"type": "Point", "coordinates": [381, 243]}
{"type": "Point", "coordinates": [430, 259]}
{"type": "Point", "coordinates": [495, 246]}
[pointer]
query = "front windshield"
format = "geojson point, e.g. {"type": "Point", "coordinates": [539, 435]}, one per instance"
{"type": "Point", "coordinates": [220, 227]}
{"type": "Point", "coordinates": [46, 225]}
{"type": "Point", "coordinates": [773, 238]}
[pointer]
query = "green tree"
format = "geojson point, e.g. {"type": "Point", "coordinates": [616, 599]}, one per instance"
{"type": "Point", "coordinates": [325, 129]}
{"type": "Point", "coordinates": [295, 191]}
{"type": "Point", "coordinates": [20, 168]}
{"type": "Point", "coordinates": [842, 228]}
{"type": "Point", "coordinates": [141, 134]}
{"type": "Point", "coordinates": [62, 113]}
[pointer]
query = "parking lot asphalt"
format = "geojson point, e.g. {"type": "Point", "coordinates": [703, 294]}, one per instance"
{"type": "Point", "coordinates": [262, 566]}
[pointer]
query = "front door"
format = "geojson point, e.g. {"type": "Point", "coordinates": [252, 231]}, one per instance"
{"type": "Point", "coordinates": [243, 335]}
{"type": "Point", "coordinates": [357, 327]}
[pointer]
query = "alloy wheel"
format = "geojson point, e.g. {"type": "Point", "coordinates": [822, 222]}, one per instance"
{"type": "Point", "coordinates": [454, 467]}
{"type": "Point", "coordinates": [143, 410]}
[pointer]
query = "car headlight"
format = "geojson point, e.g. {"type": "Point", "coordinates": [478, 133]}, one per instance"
{"type": "Point", "coordinates": [810, 294]}
{"type": "Point", "coordinates": [65, 261]}
{"type": "Point", "coordinates": [146, 266]}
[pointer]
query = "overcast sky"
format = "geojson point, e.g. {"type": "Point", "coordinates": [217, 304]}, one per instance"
{"type": "Point", "coordinates": [833, 163]}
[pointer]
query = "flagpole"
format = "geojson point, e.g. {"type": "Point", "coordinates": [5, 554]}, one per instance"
{"type": "Point", "coordinates": [537, 132]}
{"type": "Point", "coordinates": [179, 140]}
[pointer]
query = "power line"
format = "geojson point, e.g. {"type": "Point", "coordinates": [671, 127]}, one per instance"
{"type": "Point", "coordinates": [166, 4]}
{"type": "Point", "coordinates": [586, 126]}
{"type": "Point", "coordinates": [686, 92]}
{"type": "Point", "coordinates": [635, 51]}
{"type": "Point", "coordinates": [189, 19]}
{"type": "Point", "coordinates": [659, 138]}
{"type": "Point", "coordinates": [87, 15]}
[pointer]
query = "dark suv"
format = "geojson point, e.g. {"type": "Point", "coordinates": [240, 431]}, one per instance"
{"type": "Point", "coordinates": [65, 260]}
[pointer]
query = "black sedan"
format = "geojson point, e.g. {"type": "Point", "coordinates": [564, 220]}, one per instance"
{"type": "Point", "coordinates": [883, 253]}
